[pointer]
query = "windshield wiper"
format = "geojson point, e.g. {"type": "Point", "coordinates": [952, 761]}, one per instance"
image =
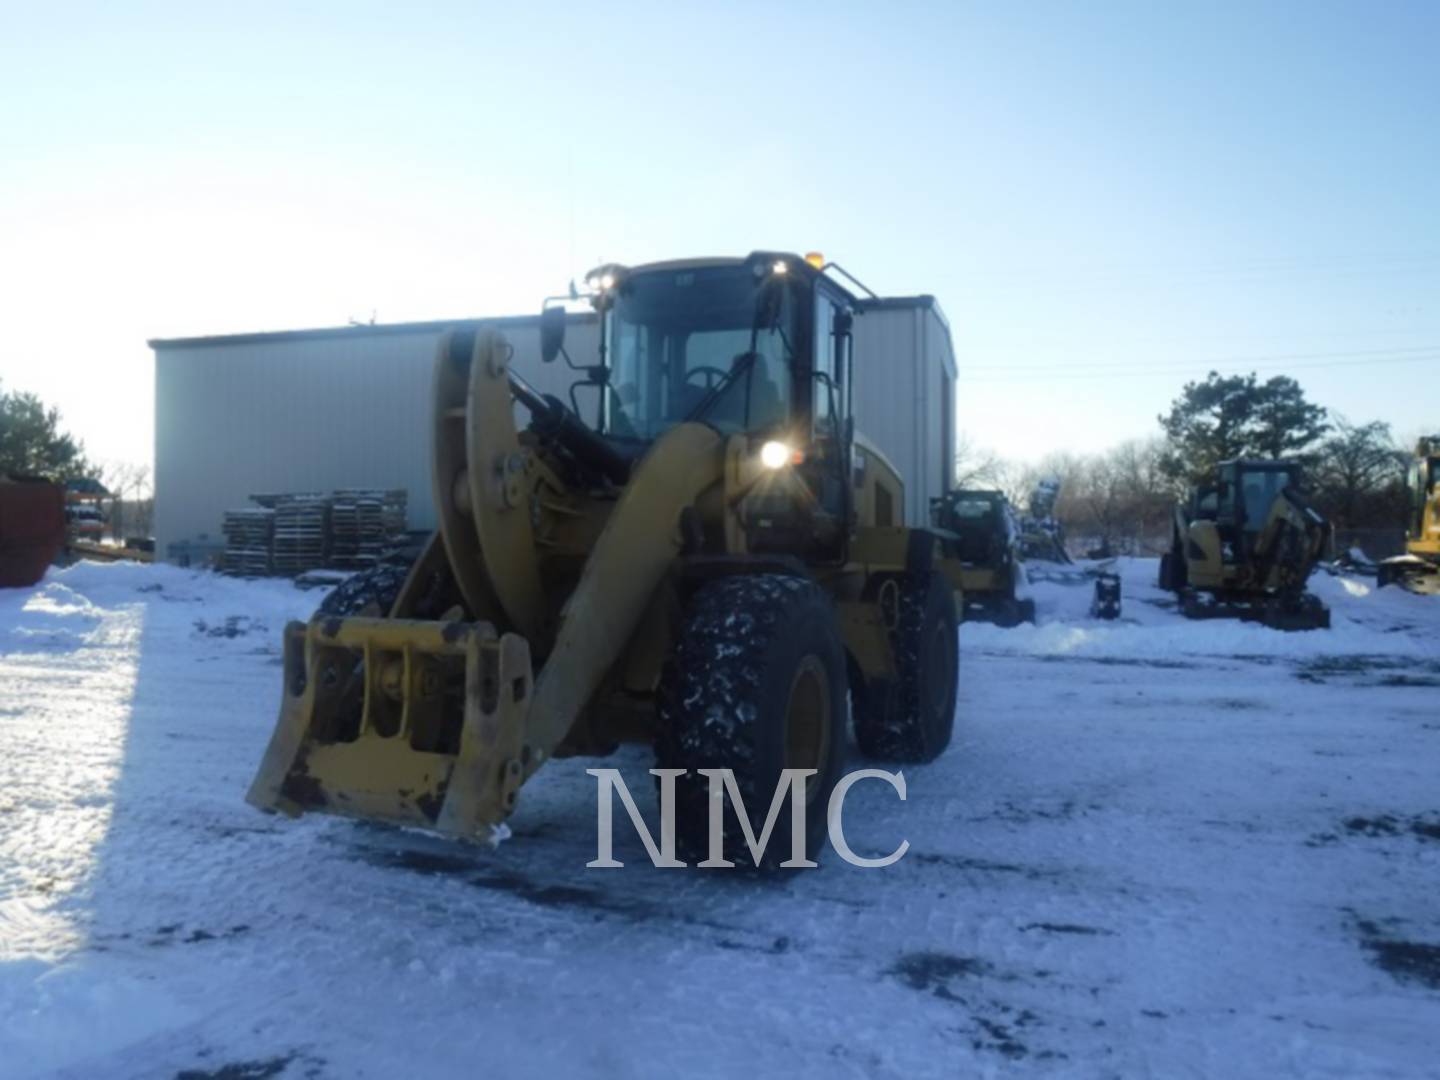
{"type": "Point", "coordinates": [767, 313]}
{"type": "Point", "coordinates": [743, 365]}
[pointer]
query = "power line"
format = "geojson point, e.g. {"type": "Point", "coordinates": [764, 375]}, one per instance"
{"type": "Point", "coordinates": [1194, 370]}
{"type": "Point", "coordinates": [1301, 264]}
{"type": "Point", "coordinates": [1230, 360]}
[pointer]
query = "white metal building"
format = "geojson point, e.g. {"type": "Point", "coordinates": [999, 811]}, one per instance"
{"type": "Point", "coordinates": [904, 365]}
{"type": "Point", "coordinates": [349, 407]}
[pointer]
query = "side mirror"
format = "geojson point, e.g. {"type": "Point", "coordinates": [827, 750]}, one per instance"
{"type": "Point", "coordinates": [552, 333]}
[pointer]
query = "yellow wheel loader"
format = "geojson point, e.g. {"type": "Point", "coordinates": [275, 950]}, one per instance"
{"type": "Point", "coordinates": [981, 543]}
{"type": "Point", "coordinates": [711, 563]}
{"type": "Point", "coordinates": [1243, 547]}
{"type": "Point", "coordinates": [1419, 568]}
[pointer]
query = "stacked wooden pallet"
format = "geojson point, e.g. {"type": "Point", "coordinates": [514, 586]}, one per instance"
{"type": "Point", "coordinates": [294, 533]}
{"type": "Point", "coordinates": [302, 527]}
{"type": "Point", "coordinates": [363, 524]}
{"type": "Point", "coordinates": [394, 514]}
{"type": "Point", "coordinates": [249, 536]}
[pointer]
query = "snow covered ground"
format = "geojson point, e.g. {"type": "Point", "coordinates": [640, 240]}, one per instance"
{"type": "Point", "coordinates": [1155, 848]}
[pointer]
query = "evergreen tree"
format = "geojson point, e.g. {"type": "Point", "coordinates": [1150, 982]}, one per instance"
{"type": "Point", "coordinates": [32, 443]}
{"type": "Point", "coordinates": [1237, 416]}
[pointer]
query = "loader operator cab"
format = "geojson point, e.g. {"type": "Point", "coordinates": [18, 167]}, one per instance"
{"type": "Point", "coordinates": [715, 344]}
{"type": "Point", "coordinates": [758, 347]}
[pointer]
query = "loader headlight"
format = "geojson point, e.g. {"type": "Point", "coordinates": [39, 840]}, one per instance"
{"type": "Point", "coordinates": [602, 278]}
{"type": "Point", "coordinates": [776, 455]}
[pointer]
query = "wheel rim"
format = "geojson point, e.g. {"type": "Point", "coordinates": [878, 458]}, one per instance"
{"type": "Point", "coordinates": [807, 722]}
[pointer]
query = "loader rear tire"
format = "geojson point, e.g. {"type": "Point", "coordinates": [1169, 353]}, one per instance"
{"type": "Point", "coordinates": [755, 683]}
{"type": "Point", "coordinates": [910, 718]}
{"type": "Point", "coordinates": [370, 592]}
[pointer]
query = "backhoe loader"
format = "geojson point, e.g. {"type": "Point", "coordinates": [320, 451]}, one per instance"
{"type": "Point", "coordinates": [711, 561]}
{"type": "Point", "coordinates": [1419, 568]}
{"type": "Point", "coordinates": [1243, 547]}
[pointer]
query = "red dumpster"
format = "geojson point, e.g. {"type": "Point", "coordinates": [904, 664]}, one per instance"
{"type": "Point", "coordinates": [32, 529]}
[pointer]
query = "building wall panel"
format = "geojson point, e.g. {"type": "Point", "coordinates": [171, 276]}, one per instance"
{"type": "Point", "coordinates": [307, 413]}
{"type": "Point", "coordinates": [905, 395]}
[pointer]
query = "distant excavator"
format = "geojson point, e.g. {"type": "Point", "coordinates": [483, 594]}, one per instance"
{"type": "Point", "coordinates": [1419, 568]}
{"type": "Point", "coordinates": [1244, 545]}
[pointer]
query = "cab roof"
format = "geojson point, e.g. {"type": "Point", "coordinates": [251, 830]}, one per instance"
{"type": "Point", "coordinates": [796, 263]}
{"type": "Point", "coordinates": [793, 263]}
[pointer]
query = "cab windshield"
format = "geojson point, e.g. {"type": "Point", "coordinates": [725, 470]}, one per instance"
{"type": "Point", "coordinates": [675, 336]}
{"type": "Point", "coordinates": [1258, 489]}
{"type": "Point", "coordinates": [973, 509]}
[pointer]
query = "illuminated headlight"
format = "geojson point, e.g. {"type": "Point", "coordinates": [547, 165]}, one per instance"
{"type": "Point", "coordinates": [775, 455]}
{"type": "Point", "coordinates": [604, 280]}
{"type": "Point", "coordinates": [779, 267]}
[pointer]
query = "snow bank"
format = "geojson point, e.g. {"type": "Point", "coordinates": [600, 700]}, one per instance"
{"type": "Point", "coordinates": [64, 611]}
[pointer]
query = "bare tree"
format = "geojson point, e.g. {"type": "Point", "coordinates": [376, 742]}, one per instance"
{"type": "Point", "coordinates": [1148, 493]}
{"type": "Point", "coordinates": [133, 507]}
{"type": "Point", "coordinates": [1017, 479]}
{"type": "Point", "coordinates": [1120, 498]}
{"type": "Point", "coordinates": [1096, 502]}
{"type": "Point", "coordinates": [975, 467]}
{"type": "Point", "coordinates": [1359, 475]}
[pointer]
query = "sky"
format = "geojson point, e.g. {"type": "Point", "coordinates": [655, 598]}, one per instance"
{"type": "Point", "coordinates": [1106, 198]}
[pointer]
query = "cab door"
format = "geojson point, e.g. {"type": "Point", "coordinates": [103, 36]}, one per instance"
{"type": "Point", "coordinates": [830, 395]}
{"type": "Point", "coordinates": [829, 405]}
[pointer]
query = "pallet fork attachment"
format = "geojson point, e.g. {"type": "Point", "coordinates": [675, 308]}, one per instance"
{"type": "Point", "coordinates": [369, 725]}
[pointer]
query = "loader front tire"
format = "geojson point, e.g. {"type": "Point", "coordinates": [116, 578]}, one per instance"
{"type": "Point", "coordinates": [910, 717]}
{"type": "Point", "coordinates": [755, 683]}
